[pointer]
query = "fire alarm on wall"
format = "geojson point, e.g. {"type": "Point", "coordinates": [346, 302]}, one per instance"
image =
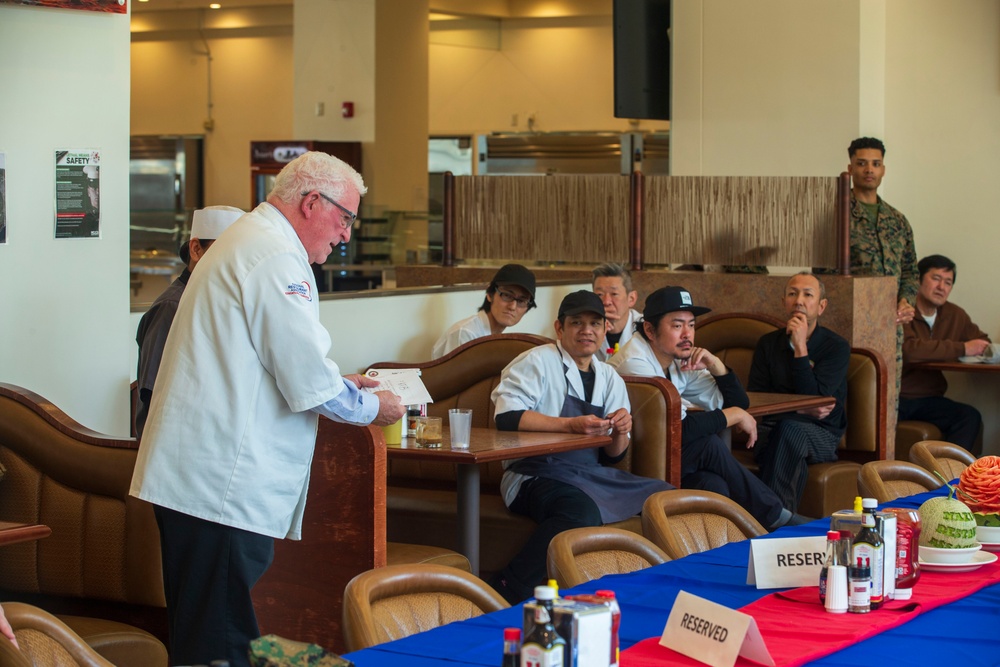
{"type": "Point", "coordinates": [347, 110]}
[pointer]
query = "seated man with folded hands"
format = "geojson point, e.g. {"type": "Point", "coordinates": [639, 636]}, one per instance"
{"type": "Point", "coordinates": [803, 358]}
{"type": "Point", "coordinates": [562, 387]}
{"type": "Point", "coordinates": [665, 348]}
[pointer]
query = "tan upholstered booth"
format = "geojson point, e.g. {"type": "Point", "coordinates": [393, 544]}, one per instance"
{"type": "Point", "coordinates": [422, 496]}
{"type": "Point", "coordinates": [888, 480]}
{"type": "Point", "coordinates": [580, 555]}
{"type": "Point", "coordinates": [102, 560]}
{"type": "Point", "coordinates": [101, 564]}
{"type": "Point", "coordinates": [688, 521]}
{"type": "Point", "coordinates": [945, 458]}
{"type": "Point", "coordinates": [830, 486]}
{"type": "Point", "coordinates": [400, 600]}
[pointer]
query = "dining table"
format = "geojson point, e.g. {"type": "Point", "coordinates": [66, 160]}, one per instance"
{"type": "Point", "coordinates": [958, 366]}
{"type": "Point", "coordinates": [486, 445]}
{"type": "Point", "coordinates": [13, 532]}
{"type": "Point", "coordinates": [962, 632]}
{"type": "Point", "coordinates": [763, 403]}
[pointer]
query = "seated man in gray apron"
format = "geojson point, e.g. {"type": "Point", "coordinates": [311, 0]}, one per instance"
{"type": "Point", "coordinates": [562, 387]}
{"type": "Point", "coordinates": [665, 348]}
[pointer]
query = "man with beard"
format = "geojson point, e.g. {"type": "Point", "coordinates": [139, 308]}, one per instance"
{"type": "Point", "coordinates": [665, 348]}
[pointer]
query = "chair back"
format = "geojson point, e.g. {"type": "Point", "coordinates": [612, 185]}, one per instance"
{"type": "Point", "coordinates": [400, 600]}
{"type": "Point", "coordinates": [733, 337]}
{"type": "Point", "coordinates": [886, 481]}
{"type": "Point", "coordinates": [945, 458]}
{"type": "Point", "coordinates": [45, 640]}
{"type": "Point", "coordinates": [687, 521]}
{"type": "Point", "coordinates": [579, 555]}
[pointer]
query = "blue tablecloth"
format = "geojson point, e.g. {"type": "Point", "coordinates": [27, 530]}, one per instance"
{"type": "Point", "coordinates": [962, 634]}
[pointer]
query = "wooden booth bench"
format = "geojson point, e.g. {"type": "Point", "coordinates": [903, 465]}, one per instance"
{"type": "Point", "coordinates": [101, 562]}
{"type": "Point", "coordinates": [421, 496]}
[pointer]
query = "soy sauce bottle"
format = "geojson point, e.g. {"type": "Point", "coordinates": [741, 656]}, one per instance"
{"type": "Point", "coordinates": [543, 647]}
{"type": "Point", "coordinates": [511, 647]}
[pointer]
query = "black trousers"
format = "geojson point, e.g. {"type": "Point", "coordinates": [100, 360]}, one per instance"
{"type": "Point", "coordinates": [208, 571]}
{"type": "Point", "coordinates": [555, 507]}
{"type": "Point", "coordinates": [785, 449]}
{"type": "Point", "coordinates": [707, 464]}
{"type": "Point", "coordinates": [959, 423]}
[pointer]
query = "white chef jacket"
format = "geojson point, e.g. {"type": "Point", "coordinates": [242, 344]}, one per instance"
{"type": "Point", "coordinates": [697, 388]}
{"type": "Point", "coordinates": [539, 379]}
{"type": "Point", "coordinates": [462, 332]}
{"type": "Point", "coordinates": [231, 434]}
{"type": "Point", "coordinates": [633, 317]}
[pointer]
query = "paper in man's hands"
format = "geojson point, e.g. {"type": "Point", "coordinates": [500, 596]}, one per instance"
{"type": "Point", "coordinates": [404, 382]}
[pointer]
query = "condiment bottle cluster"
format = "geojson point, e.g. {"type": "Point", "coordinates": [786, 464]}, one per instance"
{"type": "Point", "coordinates": [572, 631]}
{"type": "Point", "coordinates": [871, 557]}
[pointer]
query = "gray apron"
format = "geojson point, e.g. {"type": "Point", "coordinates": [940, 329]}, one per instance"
{"type": "Point", "coordinates": [618, 494]}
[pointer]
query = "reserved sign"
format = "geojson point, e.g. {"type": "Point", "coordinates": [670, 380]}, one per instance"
{"type": "Point", "coordinates": [786, 562]}
{"type": "Point", "coordinates": [713, 634]}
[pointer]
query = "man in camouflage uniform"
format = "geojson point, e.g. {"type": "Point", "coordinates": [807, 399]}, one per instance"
{"type": "Point", "coordinates": [881, 237]}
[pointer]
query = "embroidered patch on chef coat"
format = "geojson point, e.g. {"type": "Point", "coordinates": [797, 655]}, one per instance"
{"type": "Point", "coordinates": [303, 289]}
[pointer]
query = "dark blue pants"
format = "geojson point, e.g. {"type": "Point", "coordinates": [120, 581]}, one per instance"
{"type": "Point", "coordinates": [959, 423]}
{"type": "Point", "coordinates": [707, 464]}
{"type": "Point", "coordinates": [208, 571]}
{"type": "Point", "coordinates": [555, 507]}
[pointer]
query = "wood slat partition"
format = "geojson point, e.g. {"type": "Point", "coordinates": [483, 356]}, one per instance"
{"type": "Point", "coordinates": [576, 219]}
{"type": "Point", "coordinates": [737, 220]}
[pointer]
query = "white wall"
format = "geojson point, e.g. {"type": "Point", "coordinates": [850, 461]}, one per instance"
{"type": "Point", "coordinates": [942, 137]}
{"type": "Point", "coordinates": [64, 304]}
{"type": "Point", "coordinates": [768, 88]}
{"type": "Point", "coordinates": [381, 326]}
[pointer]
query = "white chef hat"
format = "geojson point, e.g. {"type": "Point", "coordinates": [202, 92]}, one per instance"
{"type": "Point", "coordinates": [208, 223]}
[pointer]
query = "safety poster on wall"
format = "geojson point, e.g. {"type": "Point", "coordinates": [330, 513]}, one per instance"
{"type": "Point", "coordinates": [78, 194]}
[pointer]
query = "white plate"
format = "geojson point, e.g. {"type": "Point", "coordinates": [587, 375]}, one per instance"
{"type": "Point", "coordinates": [991, 546]}
{"type": "Point", "coordinates": [981, 558]}
{"type": "Point", "coordinates": [971, 360]}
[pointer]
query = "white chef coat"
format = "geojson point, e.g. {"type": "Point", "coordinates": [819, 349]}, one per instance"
{"type": "Point", "coordinates": [231, 433]}
{"type": "Point", "coordinates": [697, 388]}
{"type": "Point", "coordinates": [633, 317]}
{"type": "Point", "coordinates": [539, 379]}
{"type": "Point", "coordinates": [462, 332]}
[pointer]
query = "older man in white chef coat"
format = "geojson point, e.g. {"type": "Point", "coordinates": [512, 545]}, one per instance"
{"type": "Point", "coordinates": [228, 445]}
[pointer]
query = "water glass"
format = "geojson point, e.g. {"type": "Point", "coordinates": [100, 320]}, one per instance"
{"type": "Point", "coordinates": [460, 423]}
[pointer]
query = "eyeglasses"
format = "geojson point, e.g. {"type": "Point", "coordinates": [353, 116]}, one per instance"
{"type": "Point", "coordinates": [353, 216]}
{"type": "Point", "coordinates": [508, 297]}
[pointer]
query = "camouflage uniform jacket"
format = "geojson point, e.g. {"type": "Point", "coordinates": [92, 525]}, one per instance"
{"type": "Point", "coordinates": [884, 247]}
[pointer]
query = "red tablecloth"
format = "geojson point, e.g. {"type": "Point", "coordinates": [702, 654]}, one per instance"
{"type": "Point", "coordinates": [797, 629]}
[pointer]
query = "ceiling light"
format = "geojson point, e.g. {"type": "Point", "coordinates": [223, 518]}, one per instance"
{"type": "Point", "coordinates": [214, 5]}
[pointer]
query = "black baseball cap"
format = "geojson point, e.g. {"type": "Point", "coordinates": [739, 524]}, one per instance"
{"type": "Point", "coordinates": [671, 300]}
{"type": "Point", "coordinates": [583, 301]}
{"type": "Point", "coordinates": [515, 274]}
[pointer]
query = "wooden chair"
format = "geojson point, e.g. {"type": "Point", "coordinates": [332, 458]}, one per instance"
{"type": "Point", "coordinates": [945, 458]}
{"type": "Point", "coordinates": [887, 480]}
{"type": "Point", "coordinates": [45, 640]}
{"type": "Point", "coordinates": [687, 521]}
{"type": "Point", "coordinates": [400, 600]}
{"type": "Point", "coordinates": [580, 555]}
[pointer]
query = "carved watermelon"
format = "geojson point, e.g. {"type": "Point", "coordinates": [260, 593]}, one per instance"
{"type": "Point", "coordinates": [947, 523]}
